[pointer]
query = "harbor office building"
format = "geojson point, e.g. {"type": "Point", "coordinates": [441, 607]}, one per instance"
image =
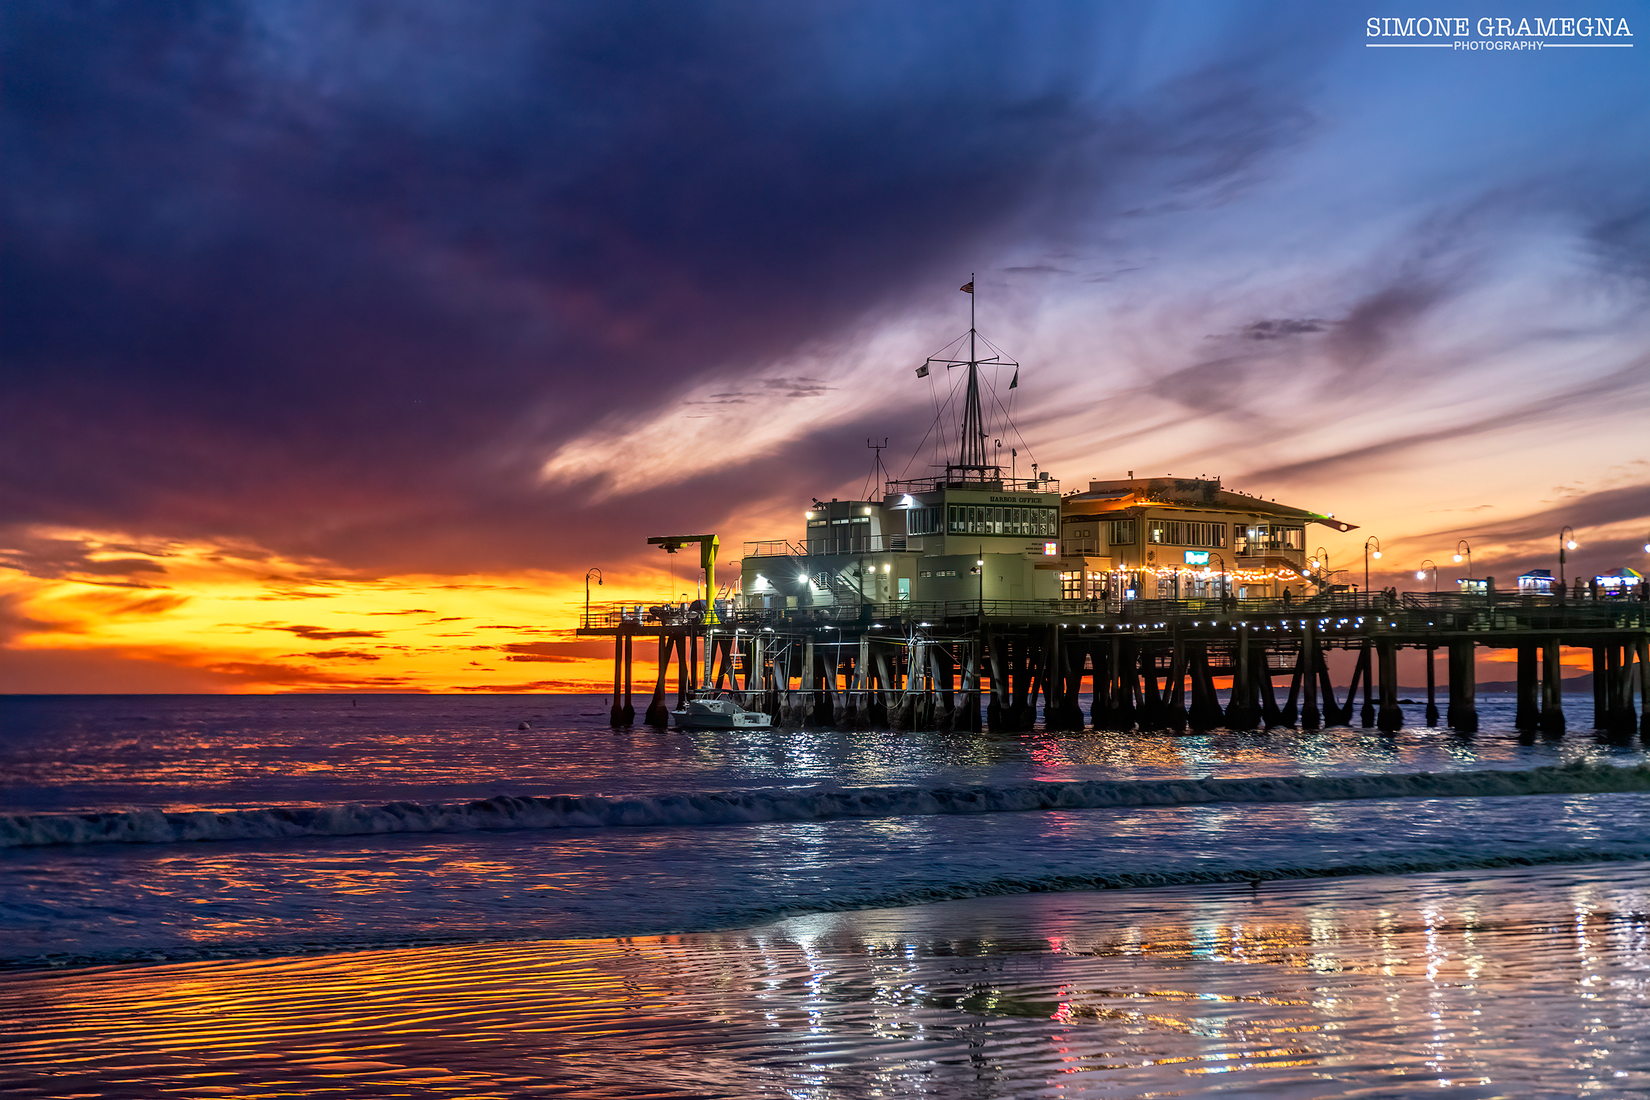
{"type": "Point", "coordinates": [973, 535]}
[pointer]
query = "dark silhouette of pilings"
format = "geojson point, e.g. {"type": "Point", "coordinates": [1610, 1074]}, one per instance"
{"type": "Point", "coordinates": [1242, 707]}
{"type": "Point", "coordinates": [1017, 676]}
{"type": "Point", "coordinates": [1307, 666]}
{"type": "Point", "coordinates": [1527, 711]}
{"type": "Point", "coordinates": [1432, 687]}
{"type": "Point", "coordinates": [1552, 691]}
{"type": "Point", "coordinates": [1616, 667]}
{"type": "Point", "coordinates": [1389, 717]}
{"type": "Point", "coordinates": [1462, 714]}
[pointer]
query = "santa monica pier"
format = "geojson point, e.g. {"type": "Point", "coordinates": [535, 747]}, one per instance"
{"type": "Point", "coordinates": [977, 595]}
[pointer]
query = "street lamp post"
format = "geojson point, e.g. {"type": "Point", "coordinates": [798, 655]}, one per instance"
{"type": "Point", "coordinates": [587, 575]}
{"type": "Point", "coordinates": [1320, 562]}
{"type": "Point", "coordinates": [1463, 549]}
{"type": "Point", "coordinates": [1566, 542]}
{"type": "Point", "coordinates": [1421, 573]}
{"type": "Point", "coordinates": [1376, 543]}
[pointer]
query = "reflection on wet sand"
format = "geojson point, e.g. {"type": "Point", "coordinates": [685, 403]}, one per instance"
{"type": "Point", "coordinates": [1521, 983]}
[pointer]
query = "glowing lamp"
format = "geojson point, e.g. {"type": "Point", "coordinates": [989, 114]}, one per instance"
{"type": "Point", "coordinates": [1376, 554]}
{"type": "Point", "coordinates": [1420, 574]}
{"type": "Point", "coordinates": [1458, 557]}
{"type": "Point", "coordinates": [1570, 545]}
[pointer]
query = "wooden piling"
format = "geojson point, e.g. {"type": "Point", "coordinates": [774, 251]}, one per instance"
{"type": "Point", "coordinates": [1365, 674]}
{"type": "Point", "coordinates": [1552, 691]}
{"type": "Point", "coordinates": [1390, 718]}
{"type": "Point", "coordinates": [1311, 716]}
{"type": "Point", "coordinates": [1527, 715]}
{"type": "Point", "coordinates": [1432, 686]}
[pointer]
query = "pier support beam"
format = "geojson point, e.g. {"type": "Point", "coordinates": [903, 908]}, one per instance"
{"type": "Point", "coordinates": [1390, 718]}
{"type": "Point", "coordinates": [1334, 713]}
{"type": "Point", "coordinates": [657, 713]}
{"type": "Point", "coordinates": [1366, 673]}
{"type": "Point", "coordinates": [628, 718]}
{"type": "Point", "coordinates": [1271, 716]}
{"type": "Point", "coordinates": [1311, 717]}
{"type": "Point", "coordinates": [1620, 721]}
{"type": "Point", "coordinates": [1241, 710]}
{"type": "Point", "coordinates": [615, 713]}
{"type": "Point", "coordinates": [1432, 687]}
{"type": "Point", "coordinates": [1603, 669]}
{"type": "Point", "coordinates": [1527, 715]}
{"type": "Point", "coordinates": [1552, 691]}
{"type": "Point", "coordinates": [1204, 713]}
{"type": "Point", "coordinates": [1642, 648]}
{"type": "Point", "coordinates": [1463, 689]}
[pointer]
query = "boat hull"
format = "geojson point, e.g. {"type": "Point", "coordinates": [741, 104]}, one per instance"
{"type": "Point", "coordinates": [745, 720]}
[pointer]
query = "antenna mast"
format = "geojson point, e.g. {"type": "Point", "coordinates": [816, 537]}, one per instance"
{"type": "Point", "coordinates": [879, 473]}
{"type": "Point", "coordinates": [972, 462]}
{"type": "Point", "coordinates": [971, 452]}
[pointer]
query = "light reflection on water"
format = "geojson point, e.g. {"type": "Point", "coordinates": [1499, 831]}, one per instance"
{"type": "Point", "coordinates": [106, 903]}
{"type": "Point", "coordinates": [1514, 983]}
{"type": "Point", "coordinates": [190, 752]}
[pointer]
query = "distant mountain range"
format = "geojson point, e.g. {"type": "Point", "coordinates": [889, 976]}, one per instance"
{"type": "Point", "coordinates": [1571, 684]}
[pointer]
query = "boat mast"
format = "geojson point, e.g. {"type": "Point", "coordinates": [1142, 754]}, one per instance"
{"type": "Point", "coordinates": [971, 454]}
{"type": "Point", "coordinates": [971, 464]}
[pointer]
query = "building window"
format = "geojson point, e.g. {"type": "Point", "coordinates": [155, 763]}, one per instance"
{"type": "Point", "coordinates": [1079, 585]}
{"type": "Point", "coordinates": [983, 519]}
{"type": "Point", "coordinates": [1262, 537]}
{"type": "Point", "coordinates": [1210, 535]}
{"type": "Point", "coordinates": [1121, 533]}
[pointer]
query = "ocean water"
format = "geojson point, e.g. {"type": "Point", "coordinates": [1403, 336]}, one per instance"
{"type": "Point", "coordinates": [234, 892]}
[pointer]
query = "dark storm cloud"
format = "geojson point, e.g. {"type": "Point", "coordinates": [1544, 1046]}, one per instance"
{"type": "Point", "coordinates": [336, 278]}
{"type": "Point", "coordinates": [52, 558]}
{"type": "Point", "coordinates": [1278, 328]}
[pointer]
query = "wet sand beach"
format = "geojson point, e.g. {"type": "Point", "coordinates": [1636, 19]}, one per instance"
{"type": "Point", "coordinates": [1526, 982]}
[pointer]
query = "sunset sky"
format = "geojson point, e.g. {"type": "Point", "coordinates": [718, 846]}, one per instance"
{"type": "Point", "coordinates": [340, 339]}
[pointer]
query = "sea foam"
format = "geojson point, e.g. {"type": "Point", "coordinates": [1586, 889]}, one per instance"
{"type": "Point", "coordinates": [812, 804]}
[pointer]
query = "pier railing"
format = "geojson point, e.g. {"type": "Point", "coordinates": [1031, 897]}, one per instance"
{"type": "Point", "coordinates": [1409, 610]}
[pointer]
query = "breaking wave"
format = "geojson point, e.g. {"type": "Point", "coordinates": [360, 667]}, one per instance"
{"type": "Point", "coordinates": [506, 812]}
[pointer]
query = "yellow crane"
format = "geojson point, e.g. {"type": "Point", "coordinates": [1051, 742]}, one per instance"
{"type": "Point", "coordinates": [707, 561]}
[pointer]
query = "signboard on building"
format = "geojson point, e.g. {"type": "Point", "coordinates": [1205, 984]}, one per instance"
{"type": "Point", "coordinates": [1197, 557]}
